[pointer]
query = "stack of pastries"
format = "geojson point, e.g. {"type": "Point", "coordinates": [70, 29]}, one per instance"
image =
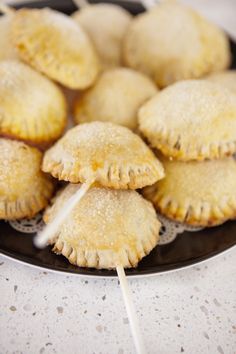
{"type": "Point", "coordinates": [155, 110]}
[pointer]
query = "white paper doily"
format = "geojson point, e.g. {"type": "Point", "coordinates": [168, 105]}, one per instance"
{"type": "Point", "coordinates": [168, 232]}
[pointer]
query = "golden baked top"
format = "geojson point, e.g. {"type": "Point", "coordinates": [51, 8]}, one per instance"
{"type": "Point", "coordinates": [191, 120]}
{"type": "Point", "coordinates": [116, 97]}
{"type": "Point", "coordinates": [32, 108]}
{"type": "Point", "coordinates": [197, 193]}
{"type": "Point", "coordinates": [105, 153]}
{"type": "Point", "coordinates": [106, 228]}
{"type": "Point", "coordinates": [55, 45]}
{"type": "Point", "coordinates": [24, 188]}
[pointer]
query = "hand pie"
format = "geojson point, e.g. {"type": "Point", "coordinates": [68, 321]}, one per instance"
{"type": "Point", "coordinates": [24, 188]}
{"type": "Point", "coordinates": [115, 97]}
{"type": "Point", "coordinates": [196, 193]}
{"type": "Point", "coordinates": [226, 79]}
{"type": "Point", "coordinates": [171, 42]}
{"type": "Point", "coordinates": [54, 44]}
{"type": "Point", "coordinates": [32, 108]}
{"type": "Point", "coordinates": [191, 120]}
{"type": "Point", "coordinates": [7, 50]}
{"type": "Point", "coordinates": [106, 228]}
{"type": "Point", "coordinates": [106, 153]}
{"type": "Point", "coordinates": [106, 25]}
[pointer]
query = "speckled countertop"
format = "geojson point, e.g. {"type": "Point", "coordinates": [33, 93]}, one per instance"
{"type": "Point", "coordinates": [189, 311]}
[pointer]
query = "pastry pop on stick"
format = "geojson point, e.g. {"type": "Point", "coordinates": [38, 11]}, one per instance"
{"type": "Point", "coordinates": [55, 45]}
{"type": "Point", "coordinates": [7, 50]}
{"type": "Point", "coordinates": [115, 97]}
{"type": "Point", "coordinates": [105, 153]}
{"type": "Point", "coordinates": [111, 229]}
{"type": "Point", "coordinates": [32, 108]}
{"type": "Point", "coordinates": [106, 25]}
{"type": "Point", "coordinates": [191, 120]}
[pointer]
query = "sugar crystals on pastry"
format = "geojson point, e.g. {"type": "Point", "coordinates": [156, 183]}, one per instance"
{"type": "Point", "coordinates": [196, 193]}
{"type": "Point", "coordinates": [225, 78]}
{"type": "Point", "coordinates": [106, 228]}
{"type": "Point", "coordinates": [54, 44]}
{"type": "Point", "coordinates": [32, 108]}
{"type": "Point", "coordinates": [24, 188]}
{"type": "Point", "coordinates": [171, 42]}
{"type": "Point", "coordinates": [191, 120]}
{"type": "Point", "coordinates": [106, 25]}
{"type": "Point", "coordinates": [106, 153]}
{"type": "Point", "coordinates": [115, 97]}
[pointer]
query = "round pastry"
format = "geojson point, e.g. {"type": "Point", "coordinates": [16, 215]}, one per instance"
{"type": "Point", "coordinates": [196, 193]}
{"type": "Point", "coordinates": [32, 108]}
{"type": "Point", "coordinates": [24, 188]}
{"type": "Point", "coordinates": [107, 228]}
{"type": "Point", "coordinates": [54, 44]}
{"type": "Point", "coordinates": [7, 50]}
{"type": "Point", "coordinates": [171, 42]}
{"type": "Point", "coordinates": [115, 97]}
{"type": "Point", "coordinates": [106, 153]}
{"type": "Point", "coordinates": [191, 120]}
{"type": "Point", "coordinates": [225, 79]}
{"type": "Point", "coordinates": [106, 25]}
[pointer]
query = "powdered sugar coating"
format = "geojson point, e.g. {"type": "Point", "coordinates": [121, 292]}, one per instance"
{"type": "Point", "coordinates": [107, 153]}
{"type": "Point", "coordinates": [107, 228]}
{"type": "Point", "coordinates": [24, 188]}
{"type": "Point", "coordinates": [193, 119]}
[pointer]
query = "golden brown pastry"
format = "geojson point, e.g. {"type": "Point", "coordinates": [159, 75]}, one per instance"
{"type": "Point", "coordinates": [54, 44]}
{"type": "Point", "coordinates": [115, 97]}
{"type": "Point", "coordinates": [106, 153]}
{"type": "Point", "coordinates": [191, 120]}
{"type": "Point", "coordinates": [225, 78]}
{"type": "Point", "coordinates": [24, 188]}
{"type": "Point", "coordinates": [106, 228]}
{"type": "Point", "coordinates": [32, 108]}
{"type": "Point", "coordinates": [196, 193]}
{"type": "Point", "coordinates": [106, 25]}
{"type": "Point", "coordinates": [171, 42]}
{"type": "Point", "coordinates": [7, 50]}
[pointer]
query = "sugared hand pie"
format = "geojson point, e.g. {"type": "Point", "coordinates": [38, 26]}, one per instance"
{"type": "Point", "coordinates": [191, 120]}
{"type": "Point", "coordinates": [115, 97]}
{"type": "Point", "coordinates": [54, 44]}
{"type": "Point", "coordinates": [106, 25]}
{"type": "Point", "coordinates": [171, 42]}
{"type": "Point", "coordinates": [106, 153]}
{"type": "Point", "coordinates": [226, 79]}
{"type": "Point", "coordinates": [24, 188]}
{"type": "Point", "coordinates": [107, 228]}
{"type": "Point", "coordinates": [196, 193]}
{"type": "Point", "coordinates": [32, 108]}
{"type": "Point", "coordinates": [7, 50]}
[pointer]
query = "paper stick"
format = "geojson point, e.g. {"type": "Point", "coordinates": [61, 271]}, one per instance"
{"type": "Point", "coordinates": [81, 3]}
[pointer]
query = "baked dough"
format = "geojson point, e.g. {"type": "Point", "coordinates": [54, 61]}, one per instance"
{"type": "Point", "coordinates": [7, 50]}
{"type": "Point", "coordinates": [225, 78]}
{"type": "Point", "coordinates": [196, 193]}
{"type": "Point", "coordinates": [191, 120]}
{"type": "Point", "coordinates": [32, 108]}
{"type": "Point", "coordinates": [106, 228]}
{"type": "Point", "coordinates": [115, 97]}
{"type": "Point", "coordinates": [106, 25]}
{"type": "Point", "coordinates": [24, 188]}
{"type": "Point", "coordinates": [54, 44]}
{"type": "Point", "coordinates": [171, 42]}
{"type": "Point", "coordinates": [106, 153]}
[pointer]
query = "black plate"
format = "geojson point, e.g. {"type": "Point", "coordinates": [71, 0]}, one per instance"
{"type": "Point", "coordinates": [188, 248]}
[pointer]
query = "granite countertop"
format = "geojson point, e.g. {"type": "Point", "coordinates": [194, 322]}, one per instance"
{"type": "Point", "coordinates": [189, 311]}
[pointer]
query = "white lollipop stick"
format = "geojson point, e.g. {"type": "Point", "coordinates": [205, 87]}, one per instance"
{"type": "Point", "coordinates": [133, 321]}
{"type": "Point", "coordinates": [5, 9]}
{"type": "Point", "coordinates": [50, 230]}
{"type": "Point", "coordinates": [81, 3]}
